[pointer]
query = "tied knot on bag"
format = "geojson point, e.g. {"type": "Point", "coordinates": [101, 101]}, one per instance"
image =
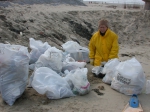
{"type": "Point", "coordinates": [85, 87]}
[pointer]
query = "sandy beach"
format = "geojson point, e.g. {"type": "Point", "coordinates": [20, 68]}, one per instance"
{"type": "Point", "coordinates": [57, 24]}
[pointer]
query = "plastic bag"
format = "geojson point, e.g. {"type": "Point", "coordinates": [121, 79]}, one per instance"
{"type": "Point", "coordinates": [52, 58]}
{"type": "Point", "coordinates": [68, 68]}
{"type": "Point", "coordinates": [31, 66]}
{"type": "Point", "coordinates": [14, 67]}
{"type": "Point", "coordinates": [81, 55]}
{"type": "Point", "coordinates": [129, 77]}
{"type": "Point", "coordinates": [69, 61]}
{"type": "Point", "coordinates": [78, 81]}
{"type": "Point", "coordinates": [37, 48]}
{"type": "Point", "coordinates": [71, 46]}
{"type": "Point", "coordinates": [46, 81]}
{"type": "Point", "coordinates": [147, 89]}
{"type": "Point", "coordinates": [109, 70]}
{"type": "Point", "coordinates": [76, 51]}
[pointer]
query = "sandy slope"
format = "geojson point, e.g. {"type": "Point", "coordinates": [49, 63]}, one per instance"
{"type": "Point", "coordinates": [6, 3]}
{"type": "Point", "coordinates": [58, 24]}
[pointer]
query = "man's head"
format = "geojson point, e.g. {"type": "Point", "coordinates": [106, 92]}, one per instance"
{"type": "Point", "coordinates": [103, 25]}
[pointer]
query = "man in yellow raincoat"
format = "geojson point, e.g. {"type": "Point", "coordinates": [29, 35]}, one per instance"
{"type": "Point", "coordinates": [103, 45]}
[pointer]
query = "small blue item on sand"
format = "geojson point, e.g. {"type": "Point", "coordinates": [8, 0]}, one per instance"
{"type": "Point", "coordinates": [134, 102]}
{"type": "Point", "coordinates": [133, 105]}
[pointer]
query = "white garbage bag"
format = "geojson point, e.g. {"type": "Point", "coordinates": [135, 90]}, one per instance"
{"type": "Point", "coordinates": [71, 61]}
{"type": "Point", "coordinates": [52, 58]}
{"type": "Point", "coordinates": [76, 51]}
{"type": "Point", "coordinates": [109, 70]}
{"type": "Point", "coordinates": [14, 69]}
{"type": "Point", "coordinates": [129, 77]}
{"type": "Point", "coordinates": [78, 81]}
{"type": "Point", "coordinates": [37, 48]}
{"type": "Point", "coordinates": [46, 81]}
{"type": "Point", "coordinates": [32, 66]}
{"type": "Point", "coordinates": [147, 89]}
{"type": "Point", "coordinates": [82, 55]}
{"type": "Point", "coordinates": [71, 46]}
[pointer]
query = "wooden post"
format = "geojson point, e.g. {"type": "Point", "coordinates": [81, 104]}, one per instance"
{"type": "Point", "coordinates": [147, 4]}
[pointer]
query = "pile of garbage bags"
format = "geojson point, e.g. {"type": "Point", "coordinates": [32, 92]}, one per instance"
{"type": "Point", "coordinates": [62, 73]}
{"type": "Point", "coordinates": [56, 73]}
{"type": "Point", "coordinates": [126, 77]}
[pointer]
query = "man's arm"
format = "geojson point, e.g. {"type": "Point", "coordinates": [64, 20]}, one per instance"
{"type": "Point", "coordinates": [92, 48]}
{"type": "Point", "coordinates": [115, 49]}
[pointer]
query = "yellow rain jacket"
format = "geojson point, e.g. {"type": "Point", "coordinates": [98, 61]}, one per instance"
{"type": "Point", "coordinates": [103, 48]}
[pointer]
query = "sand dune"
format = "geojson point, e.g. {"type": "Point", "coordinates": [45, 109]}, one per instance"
{"type": "Point", "coordinates": [31, 2]}
{"type": "Point", "coordinates": [51, 23]}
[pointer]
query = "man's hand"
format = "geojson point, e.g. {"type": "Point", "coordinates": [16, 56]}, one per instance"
{"type": "Point", "coordinates": [92, 61]}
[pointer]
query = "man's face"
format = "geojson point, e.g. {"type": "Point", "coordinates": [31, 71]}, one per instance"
{"type": "Point", "coordinates": [102, 28]}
